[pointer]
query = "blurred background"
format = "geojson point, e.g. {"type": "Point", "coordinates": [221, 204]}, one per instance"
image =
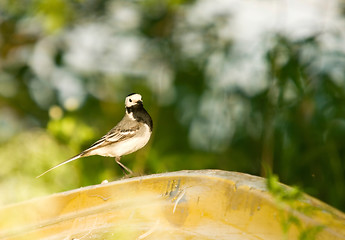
{"type": "Point", "coordinates": [230, 84]}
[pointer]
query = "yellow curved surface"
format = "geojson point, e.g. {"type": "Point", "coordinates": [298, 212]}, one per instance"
{"type": "Point", "coordinates": [208, 204]}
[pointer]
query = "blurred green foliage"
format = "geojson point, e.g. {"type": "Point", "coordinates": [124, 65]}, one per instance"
{"type": "Point", "coordinates": [68, 130]}
{"type": "Point", "coordinates": [293, 200]}
{"type": "Point", "coordinates": [232, 88]}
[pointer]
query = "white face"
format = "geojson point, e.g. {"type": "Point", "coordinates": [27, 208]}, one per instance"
{"type": "Point", "coordinates": [133, 99]}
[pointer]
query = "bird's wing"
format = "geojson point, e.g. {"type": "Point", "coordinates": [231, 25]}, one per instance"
{"type": "Point", "coordinates": [117, 134]}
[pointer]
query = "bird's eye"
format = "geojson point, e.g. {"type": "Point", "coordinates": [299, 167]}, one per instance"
{"type": "Point", "coordinates": [130, 100]}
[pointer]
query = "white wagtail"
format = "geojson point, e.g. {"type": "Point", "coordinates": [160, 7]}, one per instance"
{"type": "Point", "coordinates": [129, 135]}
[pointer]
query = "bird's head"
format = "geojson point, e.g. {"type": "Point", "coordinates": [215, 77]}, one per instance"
{"type": "Point", "coordinates": [133, 99]}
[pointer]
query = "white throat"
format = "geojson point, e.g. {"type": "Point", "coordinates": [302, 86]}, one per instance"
{"type": "Point", "coordinates": [130, 115]}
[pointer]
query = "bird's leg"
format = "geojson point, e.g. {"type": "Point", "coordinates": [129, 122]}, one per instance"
{"type": "Point", "coordinates": [123, 167]}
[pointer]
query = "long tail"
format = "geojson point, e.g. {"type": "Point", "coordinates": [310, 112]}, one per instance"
{"type": "Point", "coordinates": [64, 162]}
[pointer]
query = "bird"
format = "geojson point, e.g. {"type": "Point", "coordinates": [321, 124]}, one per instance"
{"type": "Point", "coordinates": [129, 135]}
